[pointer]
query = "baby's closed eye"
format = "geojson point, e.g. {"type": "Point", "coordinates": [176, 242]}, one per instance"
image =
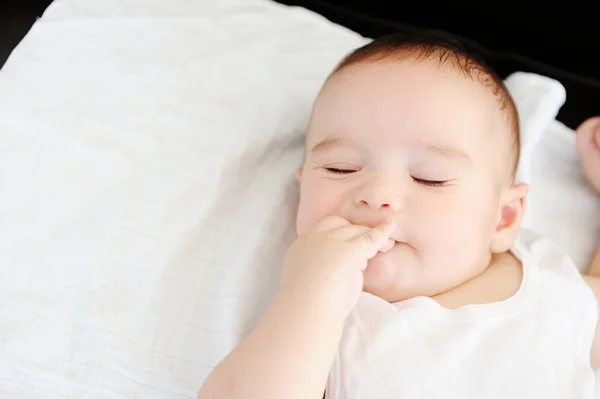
{"type": "Point", "coordinates": [346, 170]}
{"type": "Point", "coordinates": [341, 170]}
{"type": "Point", "coordinates": [430, 183]}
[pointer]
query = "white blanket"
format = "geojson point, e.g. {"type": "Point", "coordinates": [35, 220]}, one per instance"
{"type": "Point", "coordinates": [147, 194]}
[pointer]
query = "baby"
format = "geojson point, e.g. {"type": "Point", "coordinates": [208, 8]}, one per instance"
{"type": "Point", "coordinates": [410, 277]}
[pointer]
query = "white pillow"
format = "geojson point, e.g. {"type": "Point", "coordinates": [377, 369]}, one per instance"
{"type": "Point", "coordinates": [561, 205]}
{"type": "Point", "coordinates": [147, 162]}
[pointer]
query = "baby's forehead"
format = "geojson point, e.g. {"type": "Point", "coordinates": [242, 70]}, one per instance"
{"type": "Point", "coordinates": [387, 103]}
{"type": "Point", "coordinates": [402, 96]}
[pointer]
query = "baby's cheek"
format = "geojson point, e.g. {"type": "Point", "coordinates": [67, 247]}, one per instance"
{"type": "Point", "coordinates": [310, 211]}
{"type": "Point", "coordinates": [459, 228]}
{"type": "Point", "coordinates": [316, 203]}
{"type": "Point", "coordinates": [303, 219]}
{"type": "Point", "coordinates": [442, 226]}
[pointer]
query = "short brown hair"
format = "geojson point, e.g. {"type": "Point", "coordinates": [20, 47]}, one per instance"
{"type": "Point", "coordinates": [447, 49]}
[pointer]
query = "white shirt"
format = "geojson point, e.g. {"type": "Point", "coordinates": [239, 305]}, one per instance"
{"type": "Point", "coordinates": [535, 344]}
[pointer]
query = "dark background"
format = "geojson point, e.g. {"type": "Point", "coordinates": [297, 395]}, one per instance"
{"type": "Point", "coordinates": [16, 17]}
{"type": "Point", "coordinates": [560, 40]}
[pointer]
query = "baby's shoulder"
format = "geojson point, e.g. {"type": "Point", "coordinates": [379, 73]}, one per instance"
{"type": "Point", "coordinates": [533, 247]}
{"type": "Point", "coordinates": [548, 266]}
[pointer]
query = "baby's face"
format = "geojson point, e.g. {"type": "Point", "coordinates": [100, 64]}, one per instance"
{"type": "Point", "coordinates": [417, 142]}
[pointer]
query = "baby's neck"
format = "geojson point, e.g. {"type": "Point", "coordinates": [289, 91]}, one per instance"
{"type": "Point", "coordinates": [499, 281]}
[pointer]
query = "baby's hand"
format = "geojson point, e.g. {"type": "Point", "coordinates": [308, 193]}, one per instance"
{"type": "Point", "coordinates": [327, 263]}
{"type": "Point", "coordinates": [588, 144]}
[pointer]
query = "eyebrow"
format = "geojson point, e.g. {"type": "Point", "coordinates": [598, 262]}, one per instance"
{"type": "Point", "coordinates": [450, 152]}
{"type": "Point", "coordinates": [330, 143]}
{"type": "Point", "coordinates": [446, 151]}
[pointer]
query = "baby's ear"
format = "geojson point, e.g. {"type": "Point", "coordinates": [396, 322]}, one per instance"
{"type": "Point", "coordinates": [588, 144]}
{"type": "Point", "coordinates": [299, 175]}
{"type": "Point", "coordinates": [512, 209]}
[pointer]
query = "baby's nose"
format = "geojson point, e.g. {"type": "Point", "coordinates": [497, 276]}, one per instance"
{"type": "Point", "coordinates": [380, 197]}
{"type": "Point", "coordinates": [376, 203]}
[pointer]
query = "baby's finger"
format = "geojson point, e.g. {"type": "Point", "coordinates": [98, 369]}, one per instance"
{"type": "Point", "coordinates": [349, 232]}
{"type": "Point", "coordinates": [372, 240]}
{"type": "Point", "coordinates": [330, 223]}
{"type": "Point", "coordinates": [388, 245]}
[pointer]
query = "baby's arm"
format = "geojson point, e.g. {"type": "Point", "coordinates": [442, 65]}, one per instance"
{"type": "Point", "coordinates": [291, 350]}
{"type": "Point", "coordinates": [287, 355]}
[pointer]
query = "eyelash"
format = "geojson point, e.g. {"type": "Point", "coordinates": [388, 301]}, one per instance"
{"type": "Point", "coordinates": [340, 171]}
{"type": "Point", "coordinates": [430, 183]}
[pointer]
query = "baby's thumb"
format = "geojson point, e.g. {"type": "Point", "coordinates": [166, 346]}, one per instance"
{"type": "Point", "coordinates": [372, 240]}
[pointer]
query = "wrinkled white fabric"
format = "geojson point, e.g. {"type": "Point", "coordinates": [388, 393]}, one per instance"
{"type": "Point", "coordinates": [147, 193]}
